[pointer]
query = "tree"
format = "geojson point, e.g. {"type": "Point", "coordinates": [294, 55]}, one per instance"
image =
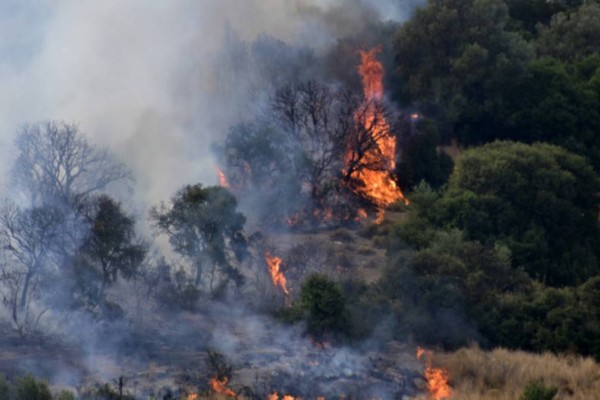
{"type": "Point", "coordinates": [204, 227]}
{"type": "Point", "coordinates": [324, 305]}
{"type": "Point", "coordinates": [458, 60]}
{"type": "Point", "coordinates": [539, 200]}
{"type": "Point", "coordinates": [572, 36]}
{"type": "Point", "coordinates": [109, 249]}
{"type": "Point", "coordinates": [56, 164]}
{"type": "Point", "coordinates": [28, 242]}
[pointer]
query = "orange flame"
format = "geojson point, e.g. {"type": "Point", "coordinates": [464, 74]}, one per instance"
{"type": "Point", "coordinates": [437, 378]}
{"type": "Point", "coordinates": [275, 396]}
{"type": "Point", "coordinates": [273, 264]}
{"type": "Point", "coordinates": [193, 396]}
{"type": "Point", "coordinates": [223, 182]}
{"type": "Point", "coordinates": [378, 185]}
{"type": "Point", "coordinates": [220, 386]}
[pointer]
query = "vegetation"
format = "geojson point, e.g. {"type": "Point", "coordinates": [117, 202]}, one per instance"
{"type": "Point", "coordinates": [499, 244]}
{"type": "Point", "coordinates": [506, 375]}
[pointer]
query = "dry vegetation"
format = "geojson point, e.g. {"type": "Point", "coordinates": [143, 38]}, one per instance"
{"type": "Point", "coordinates": [502, 374]}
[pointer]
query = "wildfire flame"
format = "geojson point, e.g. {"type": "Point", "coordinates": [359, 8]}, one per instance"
{"type": "Point", "coordinates": [220, 386]}
{"type": "Point", "coordinates": [223, 182]}
{"type": "Point", "coordinates": [273, 264]}
{"type": "Point", "coordinates": [275, 396]}
{"type": "Point", "coordinates": [378, 185]}
{"type": "Point", "coordinates": [437, 378]}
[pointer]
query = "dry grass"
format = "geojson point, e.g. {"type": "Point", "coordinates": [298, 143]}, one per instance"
{"type": "Point", "coordinates": [502, 374]}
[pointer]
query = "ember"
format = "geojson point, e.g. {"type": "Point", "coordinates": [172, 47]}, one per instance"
{"type": "Point", "coordinates": [437, 378]}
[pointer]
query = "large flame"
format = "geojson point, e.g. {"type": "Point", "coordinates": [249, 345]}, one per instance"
{"type": "Point", "coordinates": [220, 386]}
{"type": "Point", "coordinates": [377, 185]}
{"type": "Point", "coordinates": [437, 378]}
{"type": "Point", "coordinates": [273, 264]}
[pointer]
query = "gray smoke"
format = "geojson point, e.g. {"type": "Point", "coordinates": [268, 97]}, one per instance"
{"type": "Point", "coordinates": [139, 76]}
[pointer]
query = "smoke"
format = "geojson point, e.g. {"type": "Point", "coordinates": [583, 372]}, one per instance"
{"type": "Point", "coordinates": [148, 79]}
{"type": "Point", "coordinates": [138, 76]}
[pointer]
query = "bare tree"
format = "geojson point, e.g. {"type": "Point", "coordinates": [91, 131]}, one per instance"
{"type": "Point", "coordinates": [57, 164]}
{"type": "Point", "coordinates": [27, 239]}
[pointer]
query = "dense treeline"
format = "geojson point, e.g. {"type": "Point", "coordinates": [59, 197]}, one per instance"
{"type": "Point", "coordinates": [508, 249]}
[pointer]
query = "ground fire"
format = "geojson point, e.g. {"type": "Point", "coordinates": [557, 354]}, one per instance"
{"type": "Point", "coordinates": [437, 378]}
{"type": "Point", "coordinates": [377, 185]}
{"type": "Point", "coordinates": [273, 264]}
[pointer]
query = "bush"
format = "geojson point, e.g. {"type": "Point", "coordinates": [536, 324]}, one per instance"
{"type": "Point", "coordinates": [30, 389]}
{"type": "Point", "coordinates": [324, 306]}
{"type": "Point", "coordinates": [4, 388]}
{"type": "Point", "coordinates": [537, 391]}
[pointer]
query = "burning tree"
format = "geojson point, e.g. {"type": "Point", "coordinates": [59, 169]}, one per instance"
{"type": "Point", "coordinates": [317, 149]}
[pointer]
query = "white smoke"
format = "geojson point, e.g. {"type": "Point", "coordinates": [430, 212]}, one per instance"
{"type": "Point", "coordinates": [137, 75]}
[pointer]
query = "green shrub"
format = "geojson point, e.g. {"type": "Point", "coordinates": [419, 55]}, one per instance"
{"type": "Point", "coordinates": [4, 388]}
{"type": "Point", "coordinates": [30, 389]}
{"type": "Point", "coordinates": [536, 390]}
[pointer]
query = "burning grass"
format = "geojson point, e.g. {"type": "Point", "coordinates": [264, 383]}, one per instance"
{"type": "Point", "coordinates": [503, 374]}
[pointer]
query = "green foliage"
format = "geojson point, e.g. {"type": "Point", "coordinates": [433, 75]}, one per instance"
{"type": "Point", "coordinates": [28, 388]}
{"type": "Point", "coordinates": [4, 388]}
{"type": "Point", "coordinates": [421, 160]}
{"type": "Point", "coordinates": [572, 35]}
{"type": "Point", "coordinates": [459, 60]}
{"type": "Point", "coordinates": [324, 306]}
{"type": "Point", "coordinates": [538, 200]}
{"type": "Point", "coordinates": [537, 391]}
{"type": "Point", "coordinates": [203, 225]}
{"type": "Point", "coordinates": [110, 249]}
{"type": "Point", "coordinates": [65, 395]}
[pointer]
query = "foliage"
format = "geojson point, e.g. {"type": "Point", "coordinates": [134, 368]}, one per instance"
{"type": "Point", "coordinates": [420, 159]}
{"type": "Point", "coordinates": [572, 35]}
{"type": "Point", "coordinates": [31, 389]}
{"type": "Point", "coordinates": [458, 60]}
{"type": "Point", "coordinates": [204, 227]}
{"type": "Point", "coordinates": [324, 306]}
{"type": "Point", "coordinates": [537, 391]}
{"type": "Point", "coordinates": [109, 249]}
{"type": "Point", "coordinates": [538, 200]}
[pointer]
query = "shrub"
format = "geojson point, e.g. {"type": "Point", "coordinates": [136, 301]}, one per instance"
{"type": "Point", "coordinates": [536, 390]}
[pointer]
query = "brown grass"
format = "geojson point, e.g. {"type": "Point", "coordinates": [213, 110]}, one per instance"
{"type": "Point", "coordinates": [502, 374]}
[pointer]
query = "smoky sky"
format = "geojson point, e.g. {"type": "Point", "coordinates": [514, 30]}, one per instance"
{"type": "Point", "coordinates": [138, 75]}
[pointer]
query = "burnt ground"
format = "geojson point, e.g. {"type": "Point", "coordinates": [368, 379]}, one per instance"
{"type": "Point", "coordinates": [170, 353]}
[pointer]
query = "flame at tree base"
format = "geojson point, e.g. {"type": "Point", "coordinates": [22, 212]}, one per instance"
{"type": "Point", "coordinates": [437, 378]}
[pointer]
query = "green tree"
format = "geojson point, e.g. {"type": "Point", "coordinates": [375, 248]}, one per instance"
{"type": "Point", "coordinates": [204, 227]}
{"type": "Point", "coordinates": [322, 301]}
{"type": "Point", "coordinates": [110, 249]}
{"type": "Point", "coordinates": [572, 35]}
{"type": "Point", "coordinates": [28, 388]}
{"type": "Point", "coordinates": [539, 200]}
{"type": "Point", "coordinates": [458, 60]}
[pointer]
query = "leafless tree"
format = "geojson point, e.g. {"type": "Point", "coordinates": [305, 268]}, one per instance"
{"type": "Point", "coordinates": [56, 163]}
{"type": "Point", "coordinates": [27, 239]}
